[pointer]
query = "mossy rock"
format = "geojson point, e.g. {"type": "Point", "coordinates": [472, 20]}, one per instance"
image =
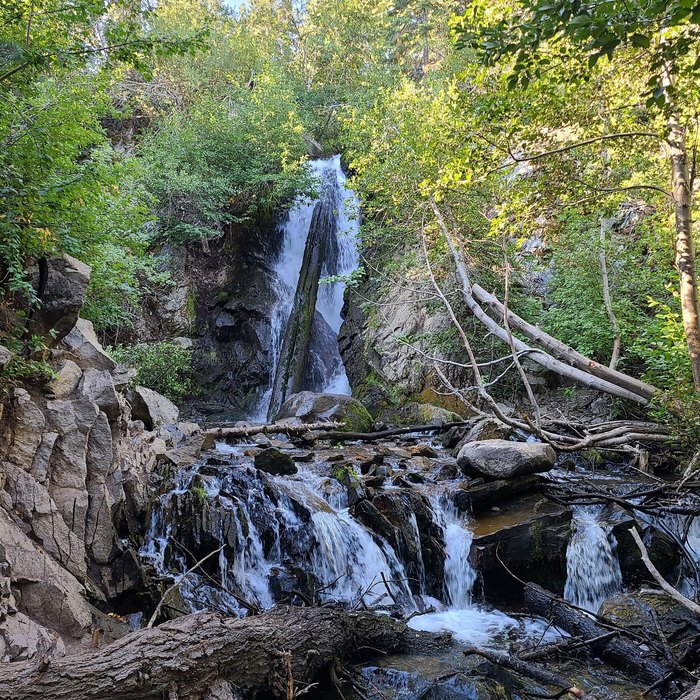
{"type": "Point", "coordinates": [418, 414]}
{"type": "Point", "coordinates": [312, 408]}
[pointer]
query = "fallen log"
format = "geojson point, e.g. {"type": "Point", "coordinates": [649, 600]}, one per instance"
{"type": "Point", "coordinates": [190, 656]}
{"type": "Point", "coordinates": [243, 431]}
{"type": "Point", "coordinates": [527, 669]}
{"type": "Point", "coordinates": [391, 432]}
{"type": "Point", "coordinates": [617, 651]}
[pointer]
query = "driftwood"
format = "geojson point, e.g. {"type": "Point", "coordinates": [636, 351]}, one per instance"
{"type": "Point", "coordinates": [243, 431]}
{"type": "Point", "coordinates": [527, 669]}
{"type": "Point", "coordinates": [617, 651]}
{"type": "Point", "coordinates": [381, 434]}
{"type": "Point", "coordinates": [193, 654]}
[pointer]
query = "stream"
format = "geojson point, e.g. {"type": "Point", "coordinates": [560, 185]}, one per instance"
{"type": "Point", "coordinates": [389, 527]}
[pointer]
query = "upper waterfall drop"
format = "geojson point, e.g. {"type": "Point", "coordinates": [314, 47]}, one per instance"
{"type": "Point", "coordinates": [319, 242]}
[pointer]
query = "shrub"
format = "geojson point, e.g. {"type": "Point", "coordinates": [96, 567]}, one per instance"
{"type": "Point", "coordinates": [164, 366]}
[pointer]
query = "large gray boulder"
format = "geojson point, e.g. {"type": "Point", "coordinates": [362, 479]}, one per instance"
{"type": "Point", "coordinates": [86, 349]}
{"type": "Point", "coordinates": [312, 408]}
{"type": "Point", "coordinates": [502, 459]}
{"type": "Point", "coordinates": [152, 408]}
{"type": "Point", "coordinates": [64, 296]}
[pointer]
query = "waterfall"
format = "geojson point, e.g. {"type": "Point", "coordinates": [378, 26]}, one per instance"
{"type": "Point", "coordinates": [460, 576]}
{"type": "Point", "coordinates": [592, 567]}
{"type": "Point", "coordinates": [324, 371]}
{"type": "Point", "coordinates": [271, 527]}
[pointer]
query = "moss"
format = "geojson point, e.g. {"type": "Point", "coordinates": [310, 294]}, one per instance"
{"type": "Point", "coordinates": [357, 418]}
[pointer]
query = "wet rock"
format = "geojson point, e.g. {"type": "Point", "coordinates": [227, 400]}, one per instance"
{"type": "Point", "coordinates": [312, 408]}
{"type": "Point", "coordinates": [66, 381]}
{"type": "Point", "coordinates": [478, 497]}
{"type": "Point", "coordinates": [502, 459]}
{"type": "Point", "coordinates": [349, 478]}
{"type": "Point", "coordinates": [85, 348]}
{"type": "Point", "coordinates": [531, 544]}
{"type": "Point", "coordinates": [64, 296]}
{"type": "Point", "coordinates": [411, 518]}
{"type": "Point", "coordinates": [274, 461]}
{"type": "Point", "coordinates": [152, 408]}
{"type": "Point", "coordinates": [423, 451]}
{"type": "Point", "coordinates": [663, 552]}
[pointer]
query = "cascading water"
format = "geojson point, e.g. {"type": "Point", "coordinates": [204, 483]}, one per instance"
{"type": "Point", "coordinates": [325, 369]}
{"type": "Point", "coordinates": [593, 569]}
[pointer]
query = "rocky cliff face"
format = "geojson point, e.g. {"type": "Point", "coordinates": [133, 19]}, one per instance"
{"type": "Point", "coordinates": [220, 299]}
{"type": "Point", "coordinates": [76, 471]}
{"type": "Point", "coordinates": [384, 370]}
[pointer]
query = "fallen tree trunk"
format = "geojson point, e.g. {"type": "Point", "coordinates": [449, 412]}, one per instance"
{"type": "Point", "coordinates": [189, 656]}
{"type": "Point", "coordinates": [615, 650]}
{"type": "Point", "coordinates": [580, 369]}
{"type": "Point", "coordinates": [242, 431]}
{"type": "Point", "coordinates": [562, 351]}
{"type": "Point", "coordinates": [381, 434]}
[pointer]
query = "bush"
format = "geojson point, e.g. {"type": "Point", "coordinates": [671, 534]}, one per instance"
{"type": "Point", "coordinates": [164, 366]}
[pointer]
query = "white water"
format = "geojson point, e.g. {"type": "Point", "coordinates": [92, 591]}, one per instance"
{"type": "Point", "coordinates": [344, 260]}
{"type": "Point", "coordinates": [592, 566]}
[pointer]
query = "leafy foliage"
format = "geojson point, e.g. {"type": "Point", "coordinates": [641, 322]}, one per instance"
{"type": "Point", "coordinates": [164, 366]}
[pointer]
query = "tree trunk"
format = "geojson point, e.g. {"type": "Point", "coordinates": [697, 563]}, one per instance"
{"type": "Point", "coordinates": [297, 338]}
{"type": "Point", "coordinates": [685, 246]}
{"type": "Point", "coordinates": [582, 370]}
{"type": "Point", "coordinates": [617, 651]}
{"type": "Point", "coordinates": [189, 656]}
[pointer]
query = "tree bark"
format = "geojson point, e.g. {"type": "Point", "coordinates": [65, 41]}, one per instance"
{"type": "Point", "coordinates": [617, 651]}
{"type": "Point", "coordinates": [185, 658]}
{"type": "Point", "coordinates": [684, 244]}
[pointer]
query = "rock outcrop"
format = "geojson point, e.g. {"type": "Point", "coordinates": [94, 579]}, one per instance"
{"type": "Point", "coordinates": [76, 481]}
{"type": "Point", "coordinates": [503, 459]}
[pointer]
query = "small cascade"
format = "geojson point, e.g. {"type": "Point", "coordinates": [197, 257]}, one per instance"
{"type": "Point", "coordinates": [460, 576]}
{"type": "Point", "coordinates": [276, 531]}
{"type": "Point", "coordinates": [304, 263]}
{"type": "Point", "coordinates": [593, 569]}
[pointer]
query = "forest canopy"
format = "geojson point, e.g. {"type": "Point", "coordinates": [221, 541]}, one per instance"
{"type": "Point", "coordinates": [558, 138]}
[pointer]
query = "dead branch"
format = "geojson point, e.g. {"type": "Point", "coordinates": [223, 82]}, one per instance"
{"type": "Point", "coordinates": [156, 612]}
{"type": "Point", "coordinates": [526, 669]}
{"type": "Point", "coordinates": [667, 587]}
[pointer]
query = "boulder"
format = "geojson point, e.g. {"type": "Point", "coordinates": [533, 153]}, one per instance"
{"type": "Point", "coordinates": [97, 386]}
{"type": "Point", "coordinates": [274, 461]}
{"type": "Point", "coordinates": [152, 408]}
{"type": "Point", "coordinates": [485, 429]}
{"type": "Point", "coordinates": [64, 296]}
{"type": "Point", "coordinates": [86, 349]}
{"type": "Point", "coordinates": [68, 376]}
{"type": "Point", "coordinates": [502, 459]}
{"type": "Point", "coordinates": [414, 413]}
{"type": "Point", "coordinates": [311, 408]}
